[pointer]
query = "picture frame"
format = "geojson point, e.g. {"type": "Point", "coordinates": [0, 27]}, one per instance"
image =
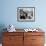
{"type": "Point", "coordinates": [26, 14]}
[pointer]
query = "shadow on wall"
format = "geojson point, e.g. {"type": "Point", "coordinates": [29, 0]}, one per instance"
{"type": "Point", "coordinates": [2, 26]}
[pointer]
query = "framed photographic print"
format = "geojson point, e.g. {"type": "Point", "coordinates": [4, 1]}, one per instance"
{"type": "Point", "coordinates": [26, 14]}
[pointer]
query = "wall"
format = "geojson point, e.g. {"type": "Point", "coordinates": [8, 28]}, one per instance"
{"type": "Point", "coordinates": [8, 15]}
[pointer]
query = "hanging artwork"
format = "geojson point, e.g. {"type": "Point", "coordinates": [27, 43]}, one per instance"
{"type": "Point", "coordinates": [26, 14]}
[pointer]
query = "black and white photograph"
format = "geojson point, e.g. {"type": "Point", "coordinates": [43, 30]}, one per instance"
{"type": "Point", "coordinates": [26, 14]}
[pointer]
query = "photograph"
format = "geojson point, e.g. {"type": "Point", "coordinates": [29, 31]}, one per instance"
{"type": "Point", "coordinates": [26, 14]}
